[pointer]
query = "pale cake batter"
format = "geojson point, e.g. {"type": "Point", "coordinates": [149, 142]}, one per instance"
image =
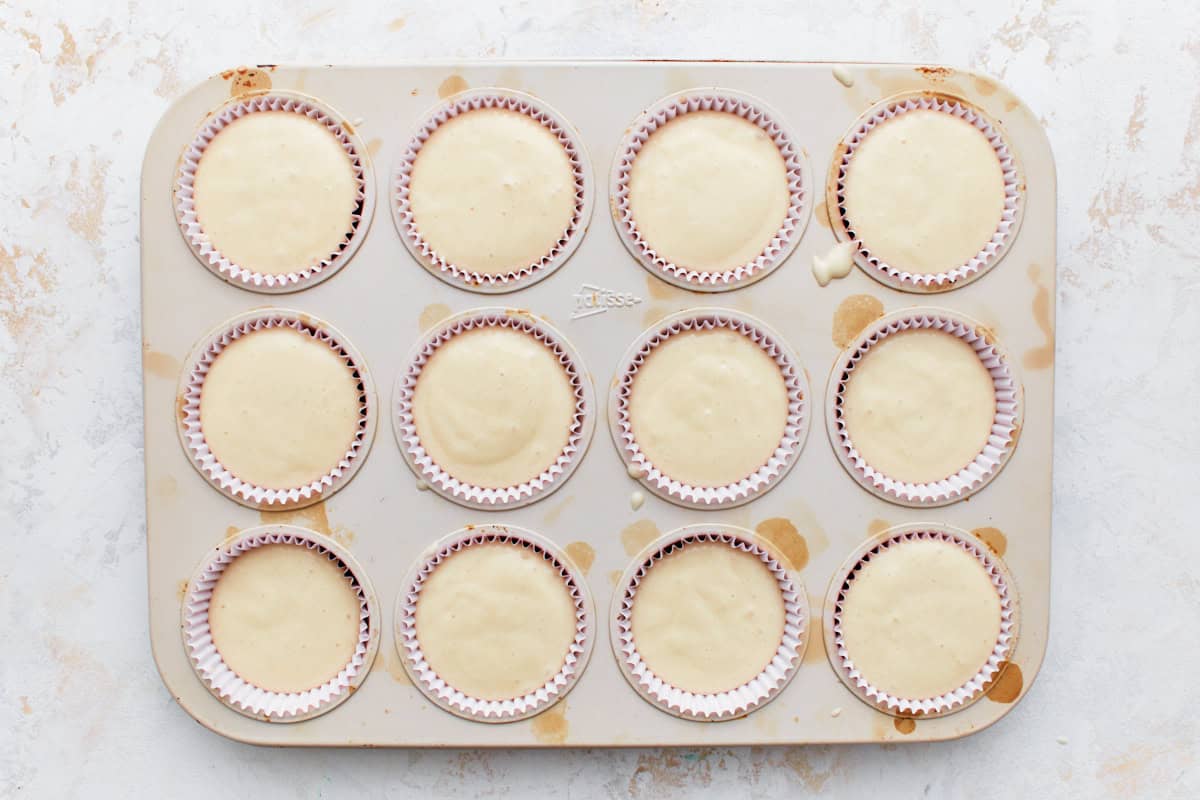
{"type": "Point", "coordinates": [275, 192]}
{"type": "Point", "coordinates": [709, 190]}
{"type": "Point", "coordinates": [284, 618]}
{"type": "Point", "coordinates": [278, 408]}
{"type": "Point", "coordinates": [492, 191]}
{"type": "Point", "coordinates": [708, 408]}
{"type": "Point", "coordinates": [495, 620]}
{"type": "Point", "coordinates": [493, 407]}
{"type": "Point", "coordinates": [919, 405]}
{"type": "Point", "coordinates": [708, 618]}
{"type": "Point", "coordinates": [924, 191]}
{"type": "Point", "coordinates": [921, 618]}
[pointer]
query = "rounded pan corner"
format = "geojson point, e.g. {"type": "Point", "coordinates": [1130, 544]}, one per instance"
{"type": "Point", "coordinates": [181, 101]}
{"type": "Point", "coordinates": [1012, 103]}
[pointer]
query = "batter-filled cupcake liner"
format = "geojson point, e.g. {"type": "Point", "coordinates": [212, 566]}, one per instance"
{"type": "Point", "coordinates": [959, 274]}
{"type": "Point", "coordinates": [247, 698]}
{"type": "Point", "coordinates": [439, 480]}
{"type": "Point", "coordinates": [447, 697]}
{"type": "Point", "coordinates": [960, 697]}
{"type": "Point", "coordinates": [1006, 424]}
{"type": "Point", "coordinates": [799, 179]}
{"type": "Point", "coordinates": [747, 488]}
{"type": "Point", "coordinates": [191, 432]}
{"type": "Point", "coordinates": [715, 706]}
{"type": "Point", "coordinates": [463, 276]}
{"type": "Point", "coordinates": [245, 275]}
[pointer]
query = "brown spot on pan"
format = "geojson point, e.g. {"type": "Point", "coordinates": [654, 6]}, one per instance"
{"type": "Point", "coordinates": [395, 667]}
{"type": "Point", "coordinates": [433, 314]}
{"type": "Point", "coordinates": [905, 725]}
{"type": "Point", "coordinates": [582, 554]}
{"type": "Point", "coordinates": [373, 147]}
{"type": "Point", "coordinates": [550, 726]}
{"type": "Point", "coordinates": [1008, 684]}
{"type": "Point", "coordinates": [985, 86]}
{"type": "Point", "coordinates": [877, 526]}
{"type": "Point", "coordinates": [821, 214]}
{"type": "Point", "coordinates": [452, 85]}
{"type": "Point", "coordinates": [996, 541]}
{"type": "Point", "coordinates": [181, 592]}
{"type": "Point", "coordinates": [635, 537]}
{"type": "Point", "coordinates": [613, 577]}
{"type": "Point", "coordinates": [160, 365]}
{"type": "Point", "coordinates": [313, 517]}
{"type": "Point", "coordinates": [786, 539]}
{"type": "Point", "coordinates": [852, 315]}
{"type": "Point", "coordinates": [936, 74]}
{"type": "Point", "coordinates": [231, 531]}
{"type": "Point", "coordinates": [180, 407]}
{"type": "Point", "coordinates": [245, 80]}
{"type": "Point", "coordinates": [1041, 357]}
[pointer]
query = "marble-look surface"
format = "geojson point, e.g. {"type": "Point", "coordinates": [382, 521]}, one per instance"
{"type": "Point", "coordinates": [1116, 84]}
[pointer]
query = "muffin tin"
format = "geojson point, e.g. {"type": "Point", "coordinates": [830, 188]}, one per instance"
{"type": "Point", "coordinates": [601, 300]}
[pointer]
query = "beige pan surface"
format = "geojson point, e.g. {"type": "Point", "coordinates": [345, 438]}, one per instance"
{"type": "Point", "coordinates": [601, 299]}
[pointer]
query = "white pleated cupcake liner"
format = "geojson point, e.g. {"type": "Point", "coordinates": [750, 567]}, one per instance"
{"type": "Point", "coordinates": [191, 432]}
{"type": "Point", "coordinates": [244, 275]}
{"type": "Point", "coordinates": [974, 688]}
{"type": "Point", "coordinates": [958, 275]}
{"type": "Point", "coordinates": [800, 189]}
{"type": "Point", "coordinates": [230, 688]}
{"type": "Point", "coordinates": [1001, 440]}
{"type": "Point", "coordinates": [467, 494]}
{"type": "Point", "coordinates": [715, 706]}
{"type": "Point", "coordinates": [447, 697]}
{"type": "Point", "coordinates": [461, 275]}
{"type": "Point", "coordinates": [762, 479]}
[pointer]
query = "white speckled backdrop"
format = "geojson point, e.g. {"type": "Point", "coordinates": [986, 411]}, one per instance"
{"type": "Point", "coordinates": [81, 85]}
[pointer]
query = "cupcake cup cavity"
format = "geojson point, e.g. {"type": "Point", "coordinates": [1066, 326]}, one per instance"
{"type": "Point", "coordinates": [718, 706]}
{"type": "Point", "coordinates": [246, 698]}
{"type": "Point", "coordinates": [427, 470]}
{"type": "Point", "coordinates": [954, 276]}
{"type": "Point", "coordinates": [245, 275]}
{"type": "Point", "coordinates": [191, 433]}
{"type": "Point", "coordinates": [461, 275]}
{"type": "Point", "coordinates": [450, 699]}
{"type": "Point", "coordinates": [749, 487]}
{"type": "Point", "coordinates": [800, 191]}
{"type": "Point", "coordinates": [1005, 426]}
{"type": "Point", "coordinates": [960, 697]}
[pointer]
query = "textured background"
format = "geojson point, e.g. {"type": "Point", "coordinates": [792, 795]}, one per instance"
{"type": "Point", "coordinates": [1117, 86]}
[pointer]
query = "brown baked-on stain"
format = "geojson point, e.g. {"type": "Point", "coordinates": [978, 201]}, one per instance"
{"type": "Point", "coordinates": [583, 554]}
{"type": "Point", "coordinates": [984, 86]}
{"type": "Point", "coordinates": [787, 540]}
{"type": "Point", "coordinates": [1040, 357]}
{"type": "Point", "coordinates": [635, 537]}
{"type": "Point", "coordinates": [613, 577]}
{"type": "Point", "coordinates": [433, 314]}
{"type": "Point", "coordinates": [550, 726]}
{"type": "Point", "coordinates": [373, 147]}
{"type": "Point", "coordinates": [452, 85]}
{"type": "Point", "coordinates": [821, 213]}
{"type": "Point", "coordinates": [231, 531]}
{"type": "Point", "coordinates": [1008, 684]}
{"type": "Point", "coordinates": [160, 364]}
{"type": "Point", "coordinates": [313, 517]}
{"type": "Point", "coordinates": [996, 541]}
{"type": "Point", "coordinates": [853, 314]}
{"type": "Point", "coordinates": [905, 725]}
{"type": "Point", "coordinates": [936, 74]}
{"type": "Point", "coordinates": [181, 592]}
{"type": "Point", "coordinates": [877, 526]}
{"type": "Point", "coordinates": [244, 80]}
